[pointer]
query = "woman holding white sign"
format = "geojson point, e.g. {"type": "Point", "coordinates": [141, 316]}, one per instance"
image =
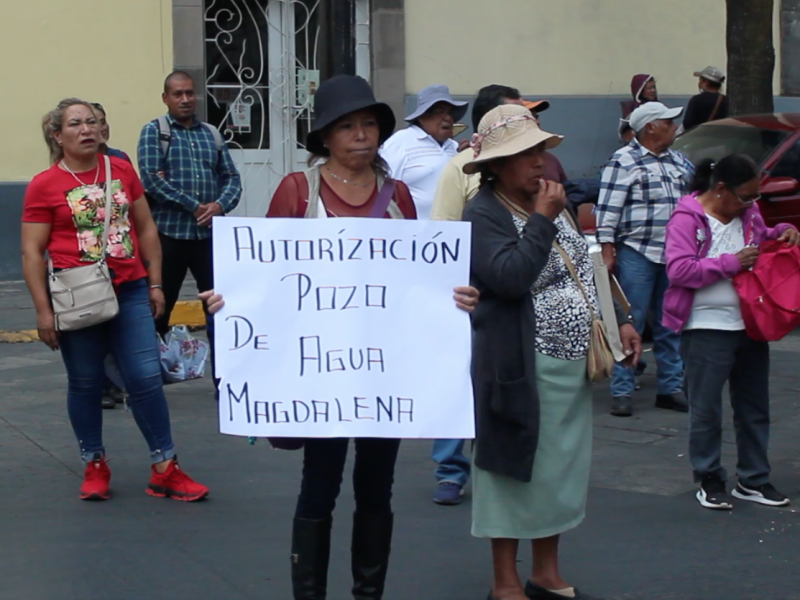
{"type": "Point", "coordinates": [346, 178]}
{"type": "Point", "coordinates": [532, 333]}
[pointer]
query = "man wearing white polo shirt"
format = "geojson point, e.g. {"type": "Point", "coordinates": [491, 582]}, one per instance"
{"type": "Point", "coordinates": [416, 155]}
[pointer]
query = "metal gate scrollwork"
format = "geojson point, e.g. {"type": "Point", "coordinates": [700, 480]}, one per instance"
{"type": "Point", "coordinates": [261, 73]}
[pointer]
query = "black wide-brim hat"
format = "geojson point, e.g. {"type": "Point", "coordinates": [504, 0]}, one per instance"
{"type": "Point", "coordinates": [340, 96]}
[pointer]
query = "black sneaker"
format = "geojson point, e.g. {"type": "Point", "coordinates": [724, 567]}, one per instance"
{"type": "Point", "coordinates": [676, 402]}
{"type": "Point", "coordinates": [712, 494]}
{"type": "Point", "coordinates": [622, 406]}
{"type": "Point", "coordinates": [763, 494]}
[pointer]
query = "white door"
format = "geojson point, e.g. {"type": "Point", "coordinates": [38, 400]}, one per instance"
{"type": "Point", "coordinates": [261, 73]}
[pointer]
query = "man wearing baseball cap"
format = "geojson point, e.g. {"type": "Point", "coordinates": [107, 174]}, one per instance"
{"type": "Point", "coordinates": [710, 104]}
{"type": "Point", "coordinates": [639, 189]}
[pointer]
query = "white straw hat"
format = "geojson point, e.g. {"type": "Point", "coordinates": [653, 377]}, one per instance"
{"type": "Point", "coordinates": [505, 131]}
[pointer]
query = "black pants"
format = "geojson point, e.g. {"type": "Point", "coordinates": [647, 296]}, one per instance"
{"type": "Point", "coordinates": [323, 467]}
{"type": "Point", "coordinates": [179, 257]}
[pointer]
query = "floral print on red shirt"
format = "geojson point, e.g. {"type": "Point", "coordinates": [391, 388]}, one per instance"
{"type": "Point", "coordinates": [88, 205]}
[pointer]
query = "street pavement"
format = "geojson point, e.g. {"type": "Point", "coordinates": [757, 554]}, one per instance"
{"type": "Point", "coordinates": [645, 537]}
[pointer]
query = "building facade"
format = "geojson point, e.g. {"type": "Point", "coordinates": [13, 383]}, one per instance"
{"type": "Point", "coordinates": [115, 53]}
{"type": "Point", "coordinates": [581, 55]}
{"type": "Point", "coordinates": [256, 64]}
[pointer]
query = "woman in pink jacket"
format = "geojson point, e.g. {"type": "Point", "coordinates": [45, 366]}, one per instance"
{"type": "Point", "coordinates": [714, 234]}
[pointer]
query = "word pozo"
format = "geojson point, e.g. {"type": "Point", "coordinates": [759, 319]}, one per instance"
{"type": "Point", "coordinates": [342, 328]}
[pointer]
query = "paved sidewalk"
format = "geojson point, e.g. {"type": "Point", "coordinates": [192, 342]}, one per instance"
{"type": "Point", "coordinates": [18, 316]}
{"type": "Point", "coordinates": [645, 536]}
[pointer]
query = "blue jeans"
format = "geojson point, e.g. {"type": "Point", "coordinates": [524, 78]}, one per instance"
{"type": "Point", "coordinates": [645, 283]}
{"type": "Point", "coordinates": [131, 339]}
{"type": "Point", "coordinates": [453, 465]}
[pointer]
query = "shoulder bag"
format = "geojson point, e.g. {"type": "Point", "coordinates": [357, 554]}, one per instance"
{"type": "Point", "coordinates": [600, 360]}
{"type": "Point", "coordinates": [769, 293]}
{"type": "Point", "coordinates": [608, 291]}
{"type": "Point", "coordinates": [84, 296]}
{"type": "Point", "coordinates": [717, 106]}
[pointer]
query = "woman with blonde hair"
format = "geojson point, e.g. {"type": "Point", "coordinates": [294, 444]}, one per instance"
{"type": "Point", "coordinates": [65, 214]}
{"type": "Point", "coordinates": [533, 446]}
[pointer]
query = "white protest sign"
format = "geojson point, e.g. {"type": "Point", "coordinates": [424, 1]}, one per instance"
{"type": "Point", "coordinates": [342, 328]}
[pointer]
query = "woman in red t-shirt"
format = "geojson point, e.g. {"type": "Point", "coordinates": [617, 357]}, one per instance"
{"type": "Point", "coordinates": [345, 179]}
{"type": "Point", "coordinates": [64, 214]}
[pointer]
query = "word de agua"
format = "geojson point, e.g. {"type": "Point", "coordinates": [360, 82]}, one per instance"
{"type": "Point", "coordinates": [381, 409]}
{"type": "Point", "coordinates": [313, 357]}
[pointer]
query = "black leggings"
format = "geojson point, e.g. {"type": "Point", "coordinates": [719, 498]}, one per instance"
{"type": "Point", "coordinates": [323, 467]}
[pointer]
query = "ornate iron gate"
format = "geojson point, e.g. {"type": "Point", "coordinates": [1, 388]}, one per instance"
{"type": "Point", "coordinates": [261, 72]}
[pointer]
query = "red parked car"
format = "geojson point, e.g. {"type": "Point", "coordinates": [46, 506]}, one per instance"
{"type": "Point", "coordinates": [772, 140]}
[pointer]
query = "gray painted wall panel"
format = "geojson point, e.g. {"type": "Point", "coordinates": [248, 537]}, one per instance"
{"type": "Point", "coordinates": [11, 195]}
{"type": "Point", "coordinates": [790, 47]}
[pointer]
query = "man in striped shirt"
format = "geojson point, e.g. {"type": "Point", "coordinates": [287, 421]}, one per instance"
{"type": "Point", "coordinates": [639, 189]}
{"type": "Point", "coordinates": [187, 185]}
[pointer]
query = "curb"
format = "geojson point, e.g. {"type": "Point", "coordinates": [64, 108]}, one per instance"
{"type": "Point", "coordinates": [186, 312]}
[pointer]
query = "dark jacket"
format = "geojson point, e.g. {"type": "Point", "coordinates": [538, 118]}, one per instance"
{"type": "Point", "coordinates": [701, 108]}
{"type": "Point", "coordinates": [582, 191]}
{"type": "Point", "coordinates": [504, 268]}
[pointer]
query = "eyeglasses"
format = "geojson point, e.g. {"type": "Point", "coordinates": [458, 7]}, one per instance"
{"type": "Point", "coordinates": [747, 199]}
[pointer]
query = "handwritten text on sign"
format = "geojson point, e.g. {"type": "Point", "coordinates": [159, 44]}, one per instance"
{"type": "Point", "coordinates": [342, 328]}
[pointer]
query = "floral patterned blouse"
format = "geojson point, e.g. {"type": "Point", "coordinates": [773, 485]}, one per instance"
{"type": "Point", "coordinates": [75, 208]}
{"type": "Point", "coordinates": [563, 319]}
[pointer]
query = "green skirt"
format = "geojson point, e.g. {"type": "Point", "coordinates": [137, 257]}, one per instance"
{"type": "Point", "coordinates": [554, 501]}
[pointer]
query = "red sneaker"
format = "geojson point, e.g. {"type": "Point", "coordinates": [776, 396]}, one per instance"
{"type": "Point", "coordinates": [174, 483]}
{"type": "Point", "coordinates": [95, 480]}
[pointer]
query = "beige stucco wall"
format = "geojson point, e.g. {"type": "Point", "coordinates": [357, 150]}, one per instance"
{"type": "Point", "coordinates": [116, 52]}
{"type": "Point", "coordinates": [564, 47]}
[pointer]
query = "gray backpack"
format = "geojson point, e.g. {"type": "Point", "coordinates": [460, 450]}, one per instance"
{"type": "Point", "coordinates": [165, 137]}
{"type": "Point", "coordinates": [165, 134]}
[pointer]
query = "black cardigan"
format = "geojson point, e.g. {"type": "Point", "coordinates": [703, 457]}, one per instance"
{"type": "Point", "coordinates": [504, 268]}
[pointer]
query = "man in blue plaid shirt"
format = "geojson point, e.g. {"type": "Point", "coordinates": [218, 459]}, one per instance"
{"type": "Point", "coordinates": [639, 189]}
{"type": "Point", "coordinates": [194, 181]}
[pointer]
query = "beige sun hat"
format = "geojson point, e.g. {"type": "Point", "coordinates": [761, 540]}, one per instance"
{"type": "Point", "coordinates": [505, 131]}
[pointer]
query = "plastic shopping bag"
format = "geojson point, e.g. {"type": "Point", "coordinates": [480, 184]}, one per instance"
{"type": "Point", "coordinates": [183, 357]}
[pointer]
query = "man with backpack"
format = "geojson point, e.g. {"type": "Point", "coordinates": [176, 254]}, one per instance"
{"type": "Point", "coordinates": [189, 178]}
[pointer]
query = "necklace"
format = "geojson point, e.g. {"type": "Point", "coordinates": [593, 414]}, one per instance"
{"type": "Point", "coordinates": [515, 208]}
{"type": "Point", "coordinates": [347, 181]}
{"type": "Point", "coordinates": [68, 170]}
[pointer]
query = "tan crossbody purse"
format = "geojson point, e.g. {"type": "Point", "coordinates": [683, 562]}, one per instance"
{"type": "Point", "coordinates": [84, 296]}
{"type": "Point", "coordinates": [601, 358]}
